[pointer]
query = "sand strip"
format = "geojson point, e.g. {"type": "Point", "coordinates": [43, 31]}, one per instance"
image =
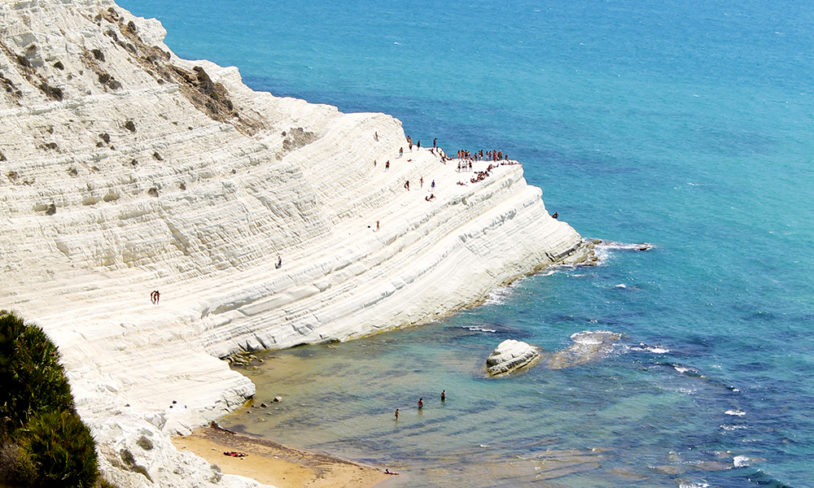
{"type": "Point", "coordinates": [275, 464]}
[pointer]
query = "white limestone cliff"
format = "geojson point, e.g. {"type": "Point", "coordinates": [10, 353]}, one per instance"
{"type": "Point", "coordinates": [124, 169]}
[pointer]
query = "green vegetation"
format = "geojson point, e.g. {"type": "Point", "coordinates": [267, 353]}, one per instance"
{"type": "Point", "coordinates": [43, 442]}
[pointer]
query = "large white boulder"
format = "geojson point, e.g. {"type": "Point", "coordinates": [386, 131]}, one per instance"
{"type": "Point", "coordinates": [511, 355]}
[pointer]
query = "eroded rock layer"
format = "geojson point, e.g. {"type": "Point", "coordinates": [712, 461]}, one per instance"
{"type": "Point", "coordinates": [124, 169]}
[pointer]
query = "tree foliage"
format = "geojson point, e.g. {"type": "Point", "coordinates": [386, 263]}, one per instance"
{"type": "Point", "coordinates": [43, 442]}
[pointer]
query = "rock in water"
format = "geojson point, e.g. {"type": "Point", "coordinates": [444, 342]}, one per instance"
{"type": "Point", "coordinates": [588, 346]}
{"type": "Point", "coordinates": [511, 355]}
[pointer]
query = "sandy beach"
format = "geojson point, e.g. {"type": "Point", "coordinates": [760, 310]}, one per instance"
{"type": "Point", "coordinates": [275, 464]}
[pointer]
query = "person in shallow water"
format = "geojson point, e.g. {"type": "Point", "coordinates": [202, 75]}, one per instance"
{"type": "Point", "coordinates": [443, 395]}
{"type": "Point", "coordinates": [397, 414]}
{"type": "Point", "coordinates": [420, 403]}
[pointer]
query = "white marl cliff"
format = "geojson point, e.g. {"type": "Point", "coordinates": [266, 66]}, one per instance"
{"type": "Point", "coordinates": [125, 169]}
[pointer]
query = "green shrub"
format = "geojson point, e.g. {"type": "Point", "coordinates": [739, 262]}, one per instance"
{"type": "Point", "coordinates": [43, 442]}
{"type": "Point", "coordinates": [29, 364]}
{"type": "Point", "coordinates": [62, 449]}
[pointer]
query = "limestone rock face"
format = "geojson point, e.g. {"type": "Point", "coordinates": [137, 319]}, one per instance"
{"type": "Point", "coordinates": [125, 169]}
{"type": "Point", "coordinates": [510, 355]}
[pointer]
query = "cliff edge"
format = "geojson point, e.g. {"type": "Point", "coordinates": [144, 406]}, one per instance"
{"type": "Point", "coordinates": [125, 169]}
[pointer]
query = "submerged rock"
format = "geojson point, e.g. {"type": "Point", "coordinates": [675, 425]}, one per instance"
{"type": "Point", "coordinates": [588, 346]}
{"type": "Point", "coordinates": [511, 355]}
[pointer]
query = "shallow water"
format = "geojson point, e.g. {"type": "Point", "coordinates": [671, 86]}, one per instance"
{"type": "Point", "coordinates": [638, 415]}
{"type": "Point", "coordinates": [685, 124]}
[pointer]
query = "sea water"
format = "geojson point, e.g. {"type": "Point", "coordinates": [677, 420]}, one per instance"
{"type": "Point", "coordinates": [687, 124]}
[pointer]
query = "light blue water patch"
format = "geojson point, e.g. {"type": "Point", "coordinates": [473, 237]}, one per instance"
{"type": "Point", "coordinates": [685, 124]}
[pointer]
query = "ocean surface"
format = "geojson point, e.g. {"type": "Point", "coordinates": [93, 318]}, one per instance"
{"type": "Point", "coordinates": [686, 124]}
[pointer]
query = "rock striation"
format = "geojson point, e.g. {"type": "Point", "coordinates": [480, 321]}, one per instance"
{"type": "Point", "coordinates": [125, 169]}
{"type": "Point", "coordinates": [509, 356]}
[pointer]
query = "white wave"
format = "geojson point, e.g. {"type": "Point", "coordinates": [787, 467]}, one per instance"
{"type": "Point", "coordinates": [685, 484]}
{"type": "Point", "coordinates": [733, 427]}
{"type": "Point", "coordinates": [681, 369]}
{"type": "Point", "coordinates": [477, 328]}
{"type": "Point", "coordinates": [740, 461]}
{"type": "Point", "coordinates": [602, 253]}
{"type": "Point", "coordinates": [654, 349]}
{"type": "Point", "coordinates": [625, 246]}
{"type": "Point", "coordinates": [499, 296]}
{"type": "Point", "coordinates": [735, 413]}
{"type": "Point", "coordinates": [603, 249]}
{"type": "Point", "coordinates": [621, 285]}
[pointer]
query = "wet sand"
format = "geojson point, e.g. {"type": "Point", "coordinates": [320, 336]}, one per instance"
{"type": "Point", "coordinates": [275, 464]}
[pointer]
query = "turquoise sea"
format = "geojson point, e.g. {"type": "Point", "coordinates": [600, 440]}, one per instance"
{"type": "Point", "coordinates": [687, 124]}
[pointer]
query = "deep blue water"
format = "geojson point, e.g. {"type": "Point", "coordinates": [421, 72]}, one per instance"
{"type": "Point", "coordinates": [687, 124]}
